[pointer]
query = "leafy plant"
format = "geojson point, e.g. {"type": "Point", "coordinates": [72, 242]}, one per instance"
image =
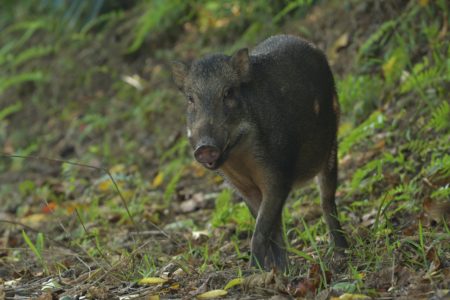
{"type": "Point", "coordinates": [37, 248]}
{"type": "Point", "coordinates": [227, 212]}
{"type": "Point", "coordinates": [365, 129]}
{"type": "Point", "coordinates": [159, 14]}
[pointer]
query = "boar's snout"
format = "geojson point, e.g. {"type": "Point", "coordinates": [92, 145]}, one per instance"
{"type": "Point", "coordinates": [208, 155]}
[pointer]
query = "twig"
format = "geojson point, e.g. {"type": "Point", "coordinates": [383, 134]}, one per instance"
{"type": "Point", "coordinates": [88, 234]}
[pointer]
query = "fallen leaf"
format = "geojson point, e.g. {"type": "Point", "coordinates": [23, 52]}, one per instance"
{"type": "Point", "coordinates": [105, 185]}
{"type": "Point", "coordinates": [343, 41]}
{"type": "Point", "coordinates": [302, 288]}
{"type": "Point", "coordinates": [212, 294]}
{"type": "Point", "coordinates": [233, 282]}
{"type": "Point", "coordinates": [158, 180]}
{"type": "Point", "coordinates": [433, 258]}
{"type": "Point", "coordinates": [388, 66]}
{"type": "Point", "coordinates": [45, 296]}
{"type": "Point", "coordinates": [436, 210]}
{"type": "Point", "coordinates": [197, 235]}
{"type": "Point", "coordinates": [350, 297]}
{"type": "Point", "coordinates": [120, 168]}
{"type": "Point", "coordinates": [152, 280]}
{"type": "Point", "coordinates": [49, 208]}
{"type": "Point", "coordinates": [100, 293]}
{"type": "Point", "coordinates": [267, 280]}
{"type": "Point", "coordinates": [34, 219]}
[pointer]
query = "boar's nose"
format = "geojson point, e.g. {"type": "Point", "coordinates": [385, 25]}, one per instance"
{"type": "Point", "coordinates": [207, 154]}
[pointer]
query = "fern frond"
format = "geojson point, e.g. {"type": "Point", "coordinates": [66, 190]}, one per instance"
{"type": "Point", "coordinates": [418, 146]}
{"type": "Point", "coordinates": [421, 80]}
{"type": "Point", "coordinates": [440, 119]}
{"type": "Point", "coordinates": [377, 36]}
{"type": "Point", "coordinates": [30, 53]}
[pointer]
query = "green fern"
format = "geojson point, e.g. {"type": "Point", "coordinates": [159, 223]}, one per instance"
{"type": "Point", "coordinates": [21, 78]}
{"type": "Point", "coordinates": [422, 79]}
{"type": "Point", "coordinates": [439, 167]}
{"type": "Point", "coordinates": [419, 146]}
{"type": "Point", "coordinates": [27, 30]}
{"type": "Point", "coordinates": [31, 53]}
{"type": "Point", "coordinates": [361, 178]}
{"type": "Point", "coordinates": [159, 15]}
{"type": "Point", "coordinates": [359, 95]}
{"type": "Point", "coordinates": [378, 38]}
{"type": "Point", "coordinates": [440, 119]}
{"type": "Point", "coordinates": [9, 110]}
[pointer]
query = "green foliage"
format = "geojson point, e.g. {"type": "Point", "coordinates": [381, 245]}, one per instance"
{"type": "Point", "coordinates": [37, 248]}
{"type": "Point", "coordinates": [439, 166]}
{"type": "Point", "coordinates": [158, 16]}
{"type": "Point", "coordinates": [19, 79]}
{"type": "Point", "coordinates": [359, 95]}
{"type": "Point", "coordinates": [226, 212]}
{"type": "Point", "coordinates": [10, 109]}
{"type": "Point", "coordinates": [377, 39]}
{"type": "Point", "coordinates": [367, 175]}
{"type": "Point", "coordinates": [31, 53]}
{"type": "Point", "coordinates": [421, 77]}
{"type": "Point", "coordinates": [292, 5]}
{"type": "Point", "coordinates": [364, 130]}
{"type": "Point", "coordinates": [440, 118]}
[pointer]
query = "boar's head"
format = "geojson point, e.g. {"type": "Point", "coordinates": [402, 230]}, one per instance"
{"type": "Point", "coordinates": [216, 110]}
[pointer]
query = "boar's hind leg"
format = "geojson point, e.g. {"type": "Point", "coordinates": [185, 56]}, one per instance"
{"type": "Point", "coordinates": [328, 182]}
{"type": "Point", "coordinates": [266, 249]}
{"type": "Point", "coordinates": [278, 247]}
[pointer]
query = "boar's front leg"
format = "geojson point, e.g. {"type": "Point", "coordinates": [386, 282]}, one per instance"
{"type": "Point", "coordinates": [267, 241]}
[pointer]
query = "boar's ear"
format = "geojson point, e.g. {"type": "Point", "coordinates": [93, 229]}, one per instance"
{"type": "Point", "coordinates": [241, 64]}
{"type": "Point", "coordinates": [179, 73]}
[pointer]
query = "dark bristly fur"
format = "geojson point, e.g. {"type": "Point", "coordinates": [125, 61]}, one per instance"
{"type": "Point", "coordinates": [267, 122]}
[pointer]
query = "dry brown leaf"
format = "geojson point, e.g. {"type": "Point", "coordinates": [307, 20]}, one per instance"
{"type": "Point", "coordinates": [267, 281]}
{"type": "Point", "coordinates": [343, 41]}
{"type": "Point", "coordinates": [436, 210]}
{"type": "Point", "coordinates": [432, 256]}
{"type": "Point", "coordinates": [45, 296]}
{"type": "Point", "coordinates": [98, 293]}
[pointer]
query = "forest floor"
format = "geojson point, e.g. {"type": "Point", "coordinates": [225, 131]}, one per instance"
{"type": "Point", "coordinates": [101, 199]}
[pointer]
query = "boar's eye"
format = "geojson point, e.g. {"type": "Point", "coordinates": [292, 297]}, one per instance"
{"type": "Point", "coordinates": [227, 93]}
{"type": "Point", "coordinates": [190, 99]}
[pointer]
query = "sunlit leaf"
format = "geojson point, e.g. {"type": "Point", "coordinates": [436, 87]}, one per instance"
{"type": "Point", "coordinates": [158, 180]}
{"type": "Point", "coordinates": [152, 280]}
{"type": "Point", "coordinates": [233, 282]}
{"type": "Point", "coordinates": [212, 294]}
{"type": "Point", "coordinates": [105, 185]}
{"type": "Point", "coordinates": [34, 219]}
